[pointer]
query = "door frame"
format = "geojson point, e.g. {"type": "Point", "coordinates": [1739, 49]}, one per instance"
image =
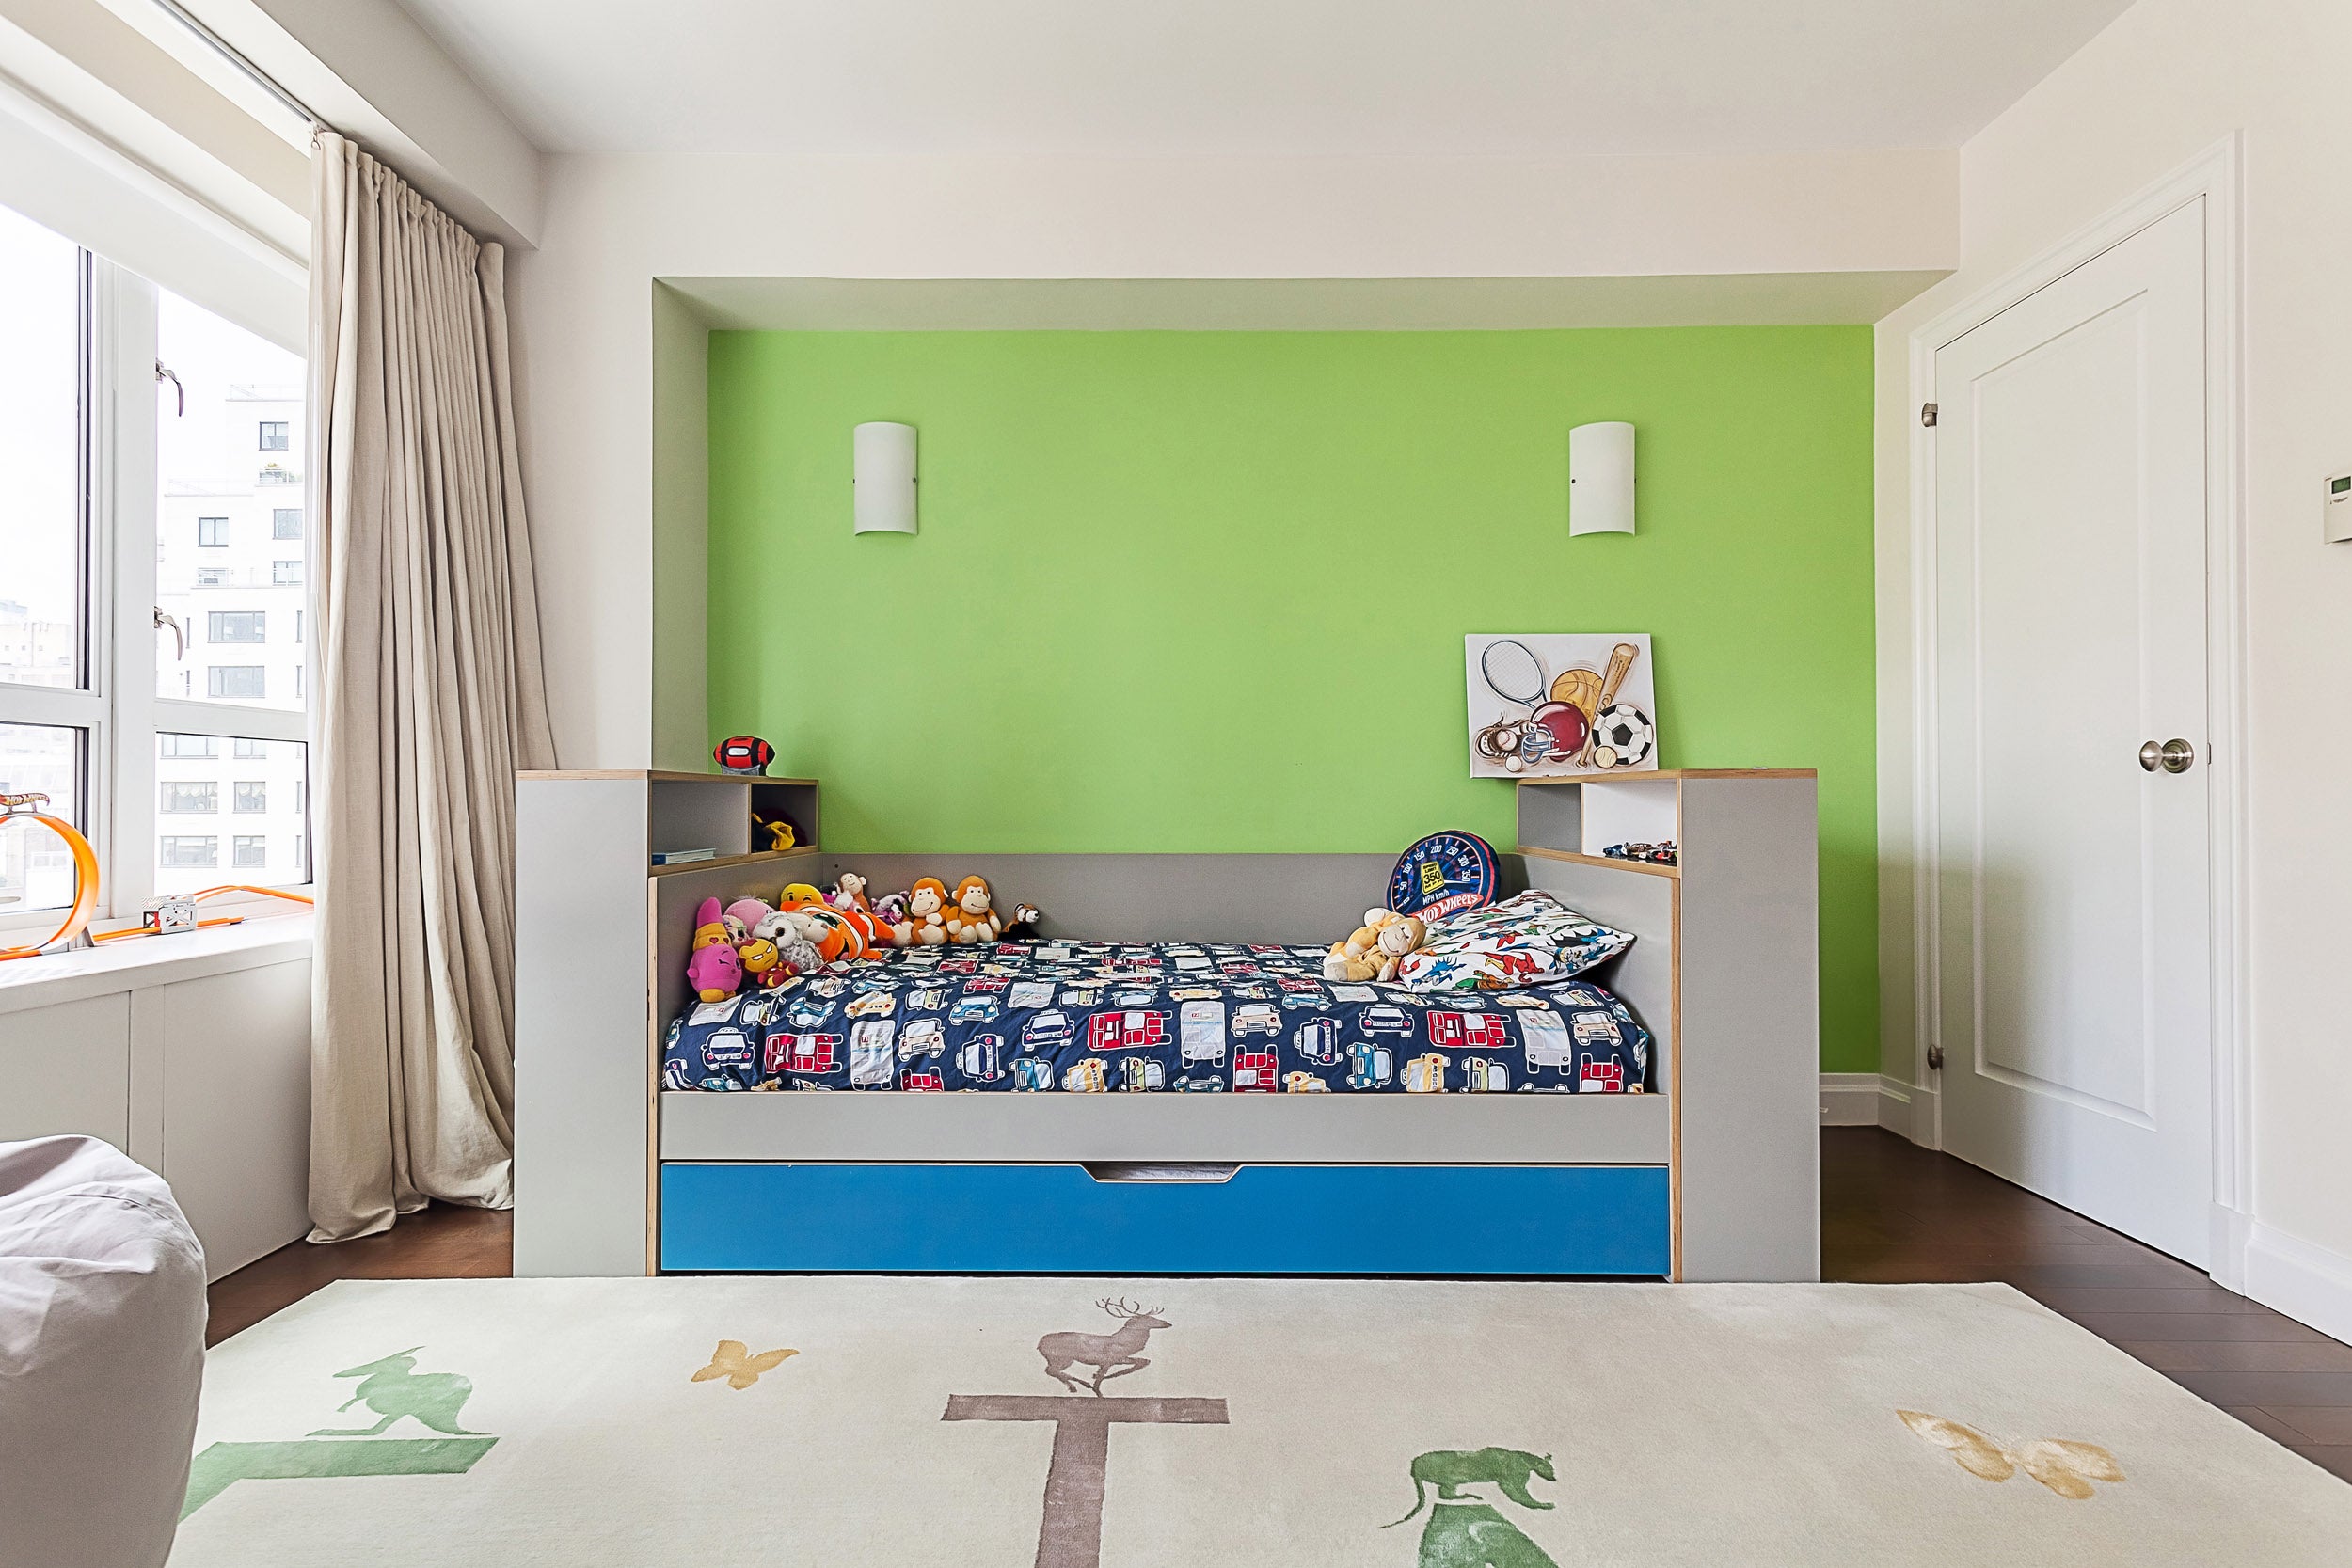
{"type": "Point", "coordinates": [2215, 176]}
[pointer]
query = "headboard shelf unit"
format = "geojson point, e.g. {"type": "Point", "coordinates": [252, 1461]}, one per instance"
{"type": "Point", "coordinates": [1741, 1075]}
{"type": "Point", "coordinates": [594, 984]}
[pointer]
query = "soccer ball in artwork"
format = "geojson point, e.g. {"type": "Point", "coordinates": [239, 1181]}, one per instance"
{"type": "Point", "coordinates": [1623, 736]}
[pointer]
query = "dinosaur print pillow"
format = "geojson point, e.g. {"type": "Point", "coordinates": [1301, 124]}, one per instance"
{"type": "Point", "coordinates": [1531, 940]}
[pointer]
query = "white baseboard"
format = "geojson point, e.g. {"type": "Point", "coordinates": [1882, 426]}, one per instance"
{"type": "Point", "coordinates": [1850, 1099]}
{"type": "Point", "coordinates": [1908, 1111]}
{"type": "Point", "coordinates": [2306, 1281]}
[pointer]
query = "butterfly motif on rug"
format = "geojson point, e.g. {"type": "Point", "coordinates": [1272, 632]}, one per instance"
{"type": "Point", "coordinates": [734, 1361]}
{"type": "Point", "coordinates": [2062, 1464]}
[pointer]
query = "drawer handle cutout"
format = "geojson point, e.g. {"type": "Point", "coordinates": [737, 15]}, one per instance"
{"type": "Point", "coordinates": [1149, 1170]}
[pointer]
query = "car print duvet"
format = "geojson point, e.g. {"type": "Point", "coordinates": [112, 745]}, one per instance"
{"type": "Point", "coordinates": [1093, 1018]}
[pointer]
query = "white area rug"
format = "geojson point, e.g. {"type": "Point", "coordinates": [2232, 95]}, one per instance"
{"type": "Point", "coordinates": [719, 1422]}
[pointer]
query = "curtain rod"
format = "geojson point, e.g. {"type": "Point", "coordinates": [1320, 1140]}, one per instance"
{"type": "Point", "coordinates": [235, 56]}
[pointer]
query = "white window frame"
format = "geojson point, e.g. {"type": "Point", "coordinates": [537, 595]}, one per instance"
{"type": "Point", "coordinates": [117, 711]}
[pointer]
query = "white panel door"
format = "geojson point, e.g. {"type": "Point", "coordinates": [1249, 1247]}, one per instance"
{"type": "Point", "coordinates": [2072, 950]}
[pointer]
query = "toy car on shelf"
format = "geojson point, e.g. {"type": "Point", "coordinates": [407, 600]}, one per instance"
{"type": "Point", "coordinates": [1661, 853]}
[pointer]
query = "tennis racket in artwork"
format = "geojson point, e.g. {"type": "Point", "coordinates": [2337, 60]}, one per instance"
{"type": "Point", "coordinates": [1549, 729]}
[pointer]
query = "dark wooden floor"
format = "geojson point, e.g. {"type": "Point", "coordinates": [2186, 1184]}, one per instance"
{"type": "Point", "coordinates": [1891, 1213]}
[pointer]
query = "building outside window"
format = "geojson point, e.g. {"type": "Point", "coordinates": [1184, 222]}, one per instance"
{"type": "Point", "coordinates": [179, 852]}
{"type": "Point", "coordinates": [190, 795]}
{"type": "Point", "coordinates": [107, 470]}
{"type": "Point", "coordinates": [251, 849]}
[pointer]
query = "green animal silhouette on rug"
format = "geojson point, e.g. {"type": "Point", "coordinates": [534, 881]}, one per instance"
{"type": "Point", "coordinates": [1464, 1529]}
{"type": "Point", "coordinates": [393, 1388]}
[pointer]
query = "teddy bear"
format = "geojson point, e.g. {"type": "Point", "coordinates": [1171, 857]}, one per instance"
{"type": "Point", "coordinates": [795, 954]}
{"type": "Point", "coordinates": [1373, 949]}
{"type": "Point", "coordinates": [927, 904]}
{"type": "Point", "coordinates": [969, 919]}
{"type": "Point", "coordinates": [1399, 936]}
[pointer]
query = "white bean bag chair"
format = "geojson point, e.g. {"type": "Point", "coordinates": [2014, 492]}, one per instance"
{"type": "Point", "coordinates": [102, 1352]}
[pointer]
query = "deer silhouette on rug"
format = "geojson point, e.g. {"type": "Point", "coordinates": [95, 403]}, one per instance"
{"type": "Point", "coordinates": [1110, 1354]}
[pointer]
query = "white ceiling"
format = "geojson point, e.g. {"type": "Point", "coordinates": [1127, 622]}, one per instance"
{"type": "Point", "coordinates": [1305, 78]}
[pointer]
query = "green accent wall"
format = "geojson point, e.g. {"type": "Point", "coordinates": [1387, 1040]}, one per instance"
{"type": "Point", "coordinates": [1207, 591]}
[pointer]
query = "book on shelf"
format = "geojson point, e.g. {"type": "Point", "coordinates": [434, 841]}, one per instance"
{"type": "Point", "coordinates": [679, 856]}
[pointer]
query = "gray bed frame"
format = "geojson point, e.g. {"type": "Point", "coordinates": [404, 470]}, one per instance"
{"type": "Point", "coordinates": [1724, 975]}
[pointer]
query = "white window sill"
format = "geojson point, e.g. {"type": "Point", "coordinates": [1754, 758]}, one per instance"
{"type": "Point", "coordinates": [114, 967]}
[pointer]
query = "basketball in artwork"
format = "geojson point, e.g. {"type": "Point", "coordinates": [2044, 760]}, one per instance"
{"type": "Point", "coordinates": [1550, 704]}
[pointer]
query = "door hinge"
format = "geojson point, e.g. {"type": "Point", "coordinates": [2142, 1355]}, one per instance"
{"type": "Point", "coordinates": [1927, 415]}
{"type": "Point", "coordinates": [1935, 1058]}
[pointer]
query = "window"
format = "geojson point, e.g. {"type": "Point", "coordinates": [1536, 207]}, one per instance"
{"type": "Point", "coordinates": [273, 435]}
{"type": "Point", "coordinates": [36, 867]}
{"type": "Point", "coordinates": [251, 849]}
{"type": "Point", "coordinates": [235, 626]}
{"type": "Point", "coordinates": [179, 851]}
{"type": "Point", "coordinates": [104, 470]}
{"type": "Point", "coordinates": [186, 795]}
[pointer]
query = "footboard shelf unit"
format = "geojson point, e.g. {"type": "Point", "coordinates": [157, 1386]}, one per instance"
{"type": "Point", "coordinates": [1712, 1175]}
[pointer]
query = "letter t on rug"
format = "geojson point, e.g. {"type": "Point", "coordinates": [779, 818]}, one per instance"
{"type": "Point", "coordinates": [1070, 1535]}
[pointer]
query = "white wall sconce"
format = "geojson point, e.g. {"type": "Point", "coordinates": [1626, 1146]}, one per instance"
{"type": "Point", "coordinates": [1601, 478]}
{"type": "Point", "coordinates": [883, 477]}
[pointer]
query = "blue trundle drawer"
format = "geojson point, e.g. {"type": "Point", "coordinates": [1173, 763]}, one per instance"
{"type": "Point", "coordinates": [1266, 1219]}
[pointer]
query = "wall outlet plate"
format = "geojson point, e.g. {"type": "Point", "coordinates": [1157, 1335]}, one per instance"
{"type": "Point", "coordinates": [2338, 509]}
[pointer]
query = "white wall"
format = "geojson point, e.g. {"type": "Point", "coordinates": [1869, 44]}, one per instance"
{"type": "Point", "coordinates": [2166, 81]}
{"type": "Point", "coordinates": [586, 316]}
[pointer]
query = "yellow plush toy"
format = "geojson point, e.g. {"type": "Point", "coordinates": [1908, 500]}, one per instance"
{"type": "Point", "coordinates": [1375, 949]}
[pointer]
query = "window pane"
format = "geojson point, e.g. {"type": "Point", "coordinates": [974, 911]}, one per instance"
{"type": "Point", "coordinates": [262, 782]}
{"type": "Point", "coordinates": [224, 500]}
{"type": "Point", "coordinates": [185, 794]}
{"type": "Point", "coordinates": [36, 867]}
{"type": "Point", "coordinates": [182, 851]}
{"type": "Point", "coordinates": [40, 456]}
{"type": "Point", "coordinates": [235, 626]}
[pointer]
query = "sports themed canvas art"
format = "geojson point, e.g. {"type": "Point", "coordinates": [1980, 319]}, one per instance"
{"type": "Point", "coordinates": [1543, 704]}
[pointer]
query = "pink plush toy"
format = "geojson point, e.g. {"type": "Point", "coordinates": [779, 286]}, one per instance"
{"type": "Point", "coordinates": [714, 969]}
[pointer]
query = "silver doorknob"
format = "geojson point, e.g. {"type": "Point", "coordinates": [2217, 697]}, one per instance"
{"type": "Point", "coordinates": [2173, 756]}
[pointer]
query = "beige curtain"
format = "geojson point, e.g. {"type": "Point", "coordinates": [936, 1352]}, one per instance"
{"type": "Point", "coordinates": [429, 696]}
